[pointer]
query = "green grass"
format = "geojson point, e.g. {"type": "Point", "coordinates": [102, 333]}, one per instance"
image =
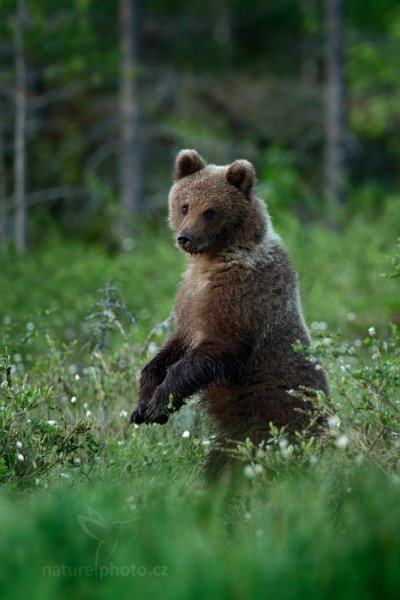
{"type": "Point", "coordinates": [319, 533]}
{"type": "Point", "coordinates": [316, 520]}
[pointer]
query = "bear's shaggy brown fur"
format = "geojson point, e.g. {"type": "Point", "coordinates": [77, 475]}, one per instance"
{"type": "Point", "coordinates": [238, 314]}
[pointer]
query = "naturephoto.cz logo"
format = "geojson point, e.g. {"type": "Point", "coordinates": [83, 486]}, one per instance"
{"type": "Point", "coordinates": [102, 571]}
{"type": "Point", "coordinates": [107, 536]}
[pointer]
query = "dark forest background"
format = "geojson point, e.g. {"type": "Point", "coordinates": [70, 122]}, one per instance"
{"type": "Point", "coordinates": [97, 98]}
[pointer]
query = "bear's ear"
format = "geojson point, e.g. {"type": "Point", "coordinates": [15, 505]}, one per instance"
{"type": "Point", "coordinates": [188, 162]}
{"type": "Point", "coordinates": [242, 175]}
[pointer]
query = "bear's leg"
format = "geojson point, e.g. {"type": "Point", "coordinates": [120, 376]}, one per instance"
{"type": "Point", "coordinates": [220, 466]}
{"type": "Point", "coordinates": [154, 373]}
{"type": "Point", "coordinates": [209, 362]}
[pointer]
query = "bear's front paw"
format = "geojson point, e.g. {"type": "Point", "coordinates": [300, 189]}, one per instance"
{"type": "Point", "coordinates": [137, 416]}
{"type": "Point", "coordinates": [153, 411]}
{"type": "Point", "coordinates": [158, 409]}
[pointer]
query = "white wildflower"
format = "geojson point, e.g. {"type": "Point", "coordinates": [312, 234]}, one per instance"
{"type": "Point", "coordinates": [371, 331]}
{"type": "Point", "coordinates": [342, 441]}
{"type": "Point", "coordinates": [73, 399]}
{"type": "Point", "coordinates": [21, 457]}
{"type": "Point", "coordinates": [249, 471]}
{"type": "Point", "coordinates": [283, 444]}
{"type": "Point", "coordinates": [18, 444]}
{"type": "Point", "coordinates": [37, 481]}
{"type": "Point", "coordinates": [334, 421]}
{"type": "Point", "coordinates": [65, 475]}
{"type": "Point", "coordinates": [285, 448]}
{"type": "Point", "coordinates": [51, 422]}
{"type": "Point", "coordinates": [258, 469]}
{"type": "Point", "coordinates": [77, 377]}
{"type": "Point", "coordinates": [123, 413]}
{"type": "Point", "coordinates": [186, 434]}
{"type": "Point", "coordinates": [30, 326]}
{"type": "Point", "coordinates": [88, 414]}
{"type": "Point", "coordinates": [152, 348]}
{"type": "Point", "coordinates": [205, 442]}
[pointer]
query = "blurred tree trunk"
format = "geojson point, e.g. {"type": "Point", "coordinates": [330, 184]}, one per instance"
{"type": "Point", "coordinates": [3, 191]}
{"type": "Point", "coordinates": [131, 136]}
{"type": "Point", "coordinates": [335, 104]}
{"type": "Point", "coordinates": [20, 131]}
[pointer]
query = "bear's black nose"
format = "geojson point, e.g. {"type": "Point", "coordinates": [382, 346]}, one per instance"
{"type": "Point", "coordinates": [184, 238]}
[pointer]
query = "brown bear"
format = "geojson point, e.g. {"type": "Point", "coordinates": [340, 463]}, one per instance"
{"type": "Point", "coordinates": [238, 314]}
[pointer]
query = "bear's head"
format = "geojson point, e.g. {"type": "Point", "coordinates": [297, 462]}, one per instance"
{"type": "Point", "coordinates": [213, 209]}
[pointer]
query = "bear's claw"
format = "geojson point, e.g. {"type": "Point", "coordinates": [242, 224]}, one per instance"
{"type": "Point", "coordinates": [139, 416]}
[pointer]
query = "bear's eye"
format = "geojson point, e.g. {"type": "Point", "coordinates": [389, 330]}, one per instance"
{"type": "Point", "coordinates": [209, 214]}
{"type": "Point", "coordinates": [185, 209]}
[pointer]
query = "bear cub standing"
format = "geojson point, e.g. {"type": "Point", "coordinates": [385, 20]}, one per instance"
{"type": "Point", "coordinates": [238, 314]}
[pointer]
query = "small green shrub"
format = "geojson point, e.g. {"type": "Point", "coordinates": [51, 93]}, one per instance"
{"type": "Point", "coordinates": [36, 436]}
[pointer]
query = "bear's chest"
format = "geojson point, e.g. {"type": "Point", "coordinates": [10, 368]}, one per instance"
{"type": "Point", "coordinates": [193, 299]}
{"type": "Point", "coordinates": [209, 299]}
